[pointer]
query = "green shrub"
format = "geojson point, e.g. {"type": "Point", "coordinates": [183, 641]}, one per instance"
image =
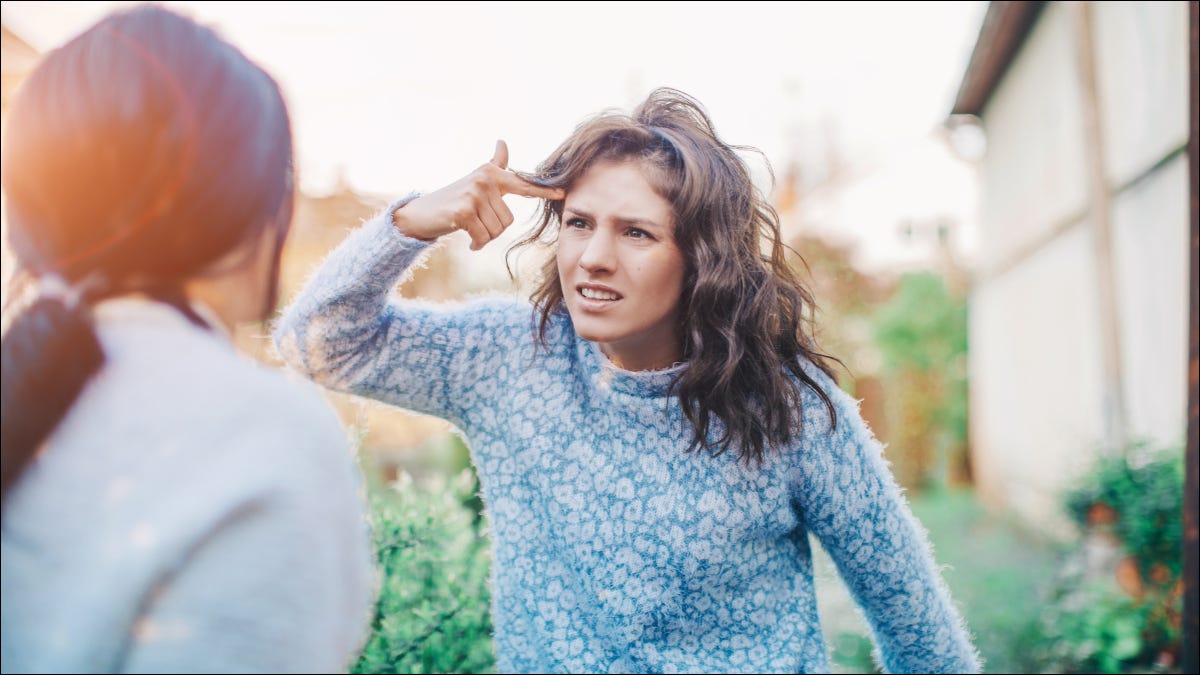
{"type": "Point", "coordinates": [433, 614]}
{"type": "Point", "coordinates": [1128, 618]}
{"type": "Point", "coordinates": [922, 335]}
{"type": "Point", "coordinates": [1144, 489]}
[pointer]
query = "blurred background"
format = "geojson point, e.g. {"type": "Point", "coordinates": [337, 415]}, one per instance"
{"type": "Point", "coordinates": [992, 202]}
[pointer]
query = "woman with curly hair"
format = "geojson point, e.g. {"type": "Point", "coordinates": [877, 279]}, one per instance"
{"type": "Point", "coordinates": [658, 434]}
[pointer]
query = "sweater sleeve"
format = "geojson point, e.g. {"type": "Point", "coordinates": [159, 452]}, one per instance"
{"type": "Point", "coordinates": [347, 332]}
{"type": "Point", "coordinates": [850, 501]}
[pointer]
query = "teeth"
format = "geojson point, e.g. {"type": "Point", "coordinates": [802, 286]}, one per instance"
{"type": "Point", "coordinates": [596, 294]}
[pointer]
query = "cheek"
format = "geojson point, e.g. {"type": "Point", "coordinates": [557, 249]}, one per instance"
{"type": "Point", "coordinates": [674, 299]}
{"type": "Point", "coordinates": [562, 257]}
{"type": "Point", "coordinates": [671, 279]}
{"type": "Point", "coordinates": [662, 282]}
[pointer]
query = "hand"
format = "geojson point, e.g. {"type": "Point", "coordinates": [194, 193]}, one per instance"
{"type": "Point", "coordinates": [473, 204]}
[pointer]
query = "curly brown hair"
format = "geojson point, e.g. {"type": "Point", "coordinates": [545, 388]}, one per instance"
{"type": "Point", "coordinates": [746, 320]}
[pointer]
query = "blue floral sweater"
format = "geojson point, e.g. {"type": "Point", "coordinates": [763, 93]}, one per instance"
{"type": "Point", "coordinates": [614, 549]}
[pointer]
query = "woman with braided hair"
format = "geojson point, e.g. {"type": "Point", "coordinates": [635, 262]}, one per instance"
{"type": "Point", "coordinates": [168, 504]}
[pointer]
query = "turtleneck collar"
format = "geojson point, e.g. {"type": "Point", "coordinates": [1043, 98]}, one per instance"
{"type": "Point", "coordinates": [605, 375]}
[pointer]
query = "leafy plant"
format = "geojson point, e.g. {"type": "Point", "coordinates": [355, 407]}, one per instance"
{"type": "Point", "coordinates": [922, 335]}
{"type": "Point", "coordinates": [433, 613]}
{"type": "Point", "coordinates": [1121, 613]}
{"type": "Point", "coordinates": [1144, 491]}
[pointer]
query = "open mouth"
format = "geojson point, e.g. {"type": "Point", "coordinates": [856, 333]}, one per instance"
{"type": "Point", "coordinates": [600, 294]}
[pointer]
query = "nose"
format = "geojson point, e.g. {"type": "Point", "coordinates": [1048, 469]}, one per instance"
{"type": "Point", "coordinates": [598, 254]}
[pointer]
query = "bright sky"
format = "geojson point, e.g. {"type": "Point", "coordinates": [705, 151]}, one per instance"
{"type": "Point", "coordinates": [403, 96]}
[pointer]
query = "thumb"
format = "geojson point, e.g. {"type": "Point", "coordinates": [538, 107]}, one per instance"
{"type": "Point", "coordinates": [500, 158]}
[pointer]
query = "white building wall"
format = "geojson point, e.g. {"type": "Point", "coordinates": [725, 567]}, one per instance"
{"type": "Point", "coordinates": [1036, 341]}
{"type": "Point", "coordinates": [1034, 173]}
{"type": "Point", "coordinates": [1142, 73]}
{"type": "Point", "coordinates": [1036, 392]}
{"type": "Point", "coordinates": [1142, 70]}
{"type": "Point", "coordinates": [1150, 240]}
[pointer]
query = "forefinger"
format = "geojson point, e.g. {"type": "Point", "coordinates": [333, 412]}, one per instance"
{"type": "Point", "coordinates": [512, 184]}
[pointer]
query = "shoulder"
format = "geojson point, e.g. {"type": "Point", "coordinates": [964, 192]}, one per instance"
{"type": "Point", "coordinates": [277, 441]}
{"type": "Point", "coordinates": [825, 406]}
{"type": "Point", "coordinates": [284, 403]}
{"type": "Point", "coordinates": [292, 432]}
{"type": "Point", "coordinates": [175, 381]}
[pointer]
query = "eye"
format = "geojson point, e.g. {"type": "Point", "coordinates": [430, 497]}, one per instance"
{"type": "Point", "coordinates": [638, 233]}
{"type": "Point", "coordinates": [576, 223]}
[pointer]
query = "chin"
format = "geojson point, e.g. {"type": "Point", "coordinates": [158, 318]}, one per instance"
{"type": "Point", "coordinates": [593, 335]}
{"type": "Point", "coordinates": [588, 329]}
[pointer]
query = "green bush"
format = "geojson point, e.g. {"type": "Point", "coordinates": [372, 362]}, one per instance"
{"type": "Point", "coordinates": [1144, 489]}
{"type": "Point", "coordinates": [922, 334]}
{"type": "Point", "coordinates": [1128, 618]}
{"type": "Point", "coordinates": [433, 614]}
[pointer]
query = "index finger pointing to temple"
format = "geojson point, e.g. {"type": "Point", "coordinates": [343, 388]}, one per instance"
{"type": "Point", "coordinates": [512, 184]}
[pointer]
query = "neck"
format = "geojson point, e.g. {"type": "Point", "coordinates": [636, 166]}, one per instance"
{"type": "Point", "coordinates": [656, 356]}
{"type": "Point", "coordinates": [229, 299]}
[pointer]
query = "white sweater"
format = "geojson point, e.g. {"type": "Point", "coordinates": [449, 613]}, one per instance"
{"type": "Point", "coordinates": [194, 511]}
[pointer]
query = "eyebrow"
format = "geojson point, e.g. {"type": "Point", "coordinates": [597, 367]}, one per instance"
{"type": "Point", "coordinates": [623, 221]}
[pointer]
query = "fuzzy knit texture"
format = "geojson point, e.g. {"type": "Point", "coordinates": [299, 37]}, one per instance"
{"type": "Point", "coordinates": [614, 550]}
{"type": "Point", "coordinates": [194, 511]}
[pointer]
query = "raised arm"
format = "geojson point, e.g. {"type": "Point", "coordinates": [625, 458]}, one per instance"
{"type": "Point", "coordinates": [347, 332]}
{"type": "Point", "coordinates": [851, 503]}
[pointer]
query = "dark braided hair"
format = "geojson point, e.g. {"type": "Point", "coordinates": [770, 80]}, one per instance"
{"type": "Point", "coordinates": [140, 155]}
